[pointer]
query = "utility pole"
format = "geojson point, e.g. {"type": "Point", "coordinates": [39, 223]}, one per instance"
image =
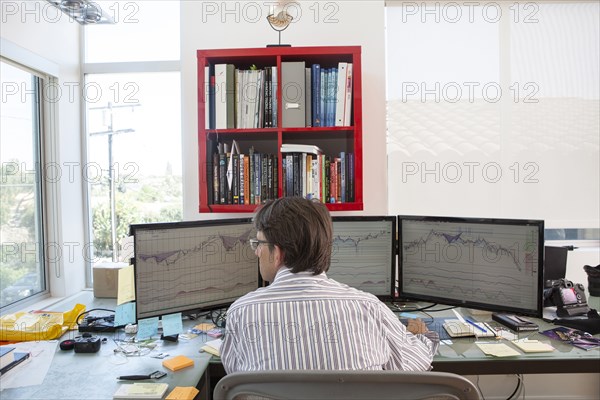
{"type": "Point", "coordinates": [110, 132]}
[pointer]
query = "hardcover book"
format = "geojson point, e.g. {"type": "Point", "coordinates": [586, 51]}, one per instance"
{"type": "Point", "coordinates": [18, 359]}
{"type": "Point", "coordinates": [7, 355]}
{"type": "Point", "coordinates": [514, 322]}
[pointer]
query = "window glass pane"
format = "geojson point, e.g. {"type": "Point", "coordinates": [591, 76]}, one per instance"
{"type": "Point", "coordinates": [134, 141]}
{"type": "Point", "coordinates": [143, 31]}
{"type": "Point", "coordinates": [21, 252]}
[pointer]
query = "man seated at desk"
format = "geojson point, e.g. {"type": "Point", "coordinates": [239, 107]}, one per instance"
{"type": "Point", "coordinates": [304, 320]}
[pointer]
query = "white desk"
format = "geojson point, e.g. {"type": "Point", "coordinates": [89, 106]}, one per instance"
{"type": "Point", "coordinates": [80, 376]}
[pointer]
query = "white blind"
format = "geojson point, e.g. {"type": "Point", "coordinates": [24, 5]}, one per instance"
{"type": "Point", "coordinates": [494, 111]}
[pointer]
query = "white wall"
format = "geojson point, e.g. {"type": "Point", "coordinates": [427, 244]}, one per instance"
{"type": "Point", "coordinates": [38, 28]}
{"type": "Point", "coordinates": [242, 24]}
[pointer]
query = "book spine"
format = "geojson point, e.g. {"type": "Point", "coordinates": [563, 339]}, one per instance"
{"type": "Point", "coordinates": [216, 196]}
{"type": "Point", "coordinates": [235, 185]}
{"type": "Point", "coordinates": [274, 100]}
{"type": "Point", "coordinates": [242, 180]}
{"type": "Point", "coordinates": [343, 177]}
{"type": "Point", "coordinates": [348, 102]}
{"type": "Point", "coordinates": [316, 95]}
{"type": "Point", "coordinates": [289, 175]}
{"type": "Point", "coordinates": [308, 97]}
{"type": "Point", "coordinates": [264, 179]}
{"type": "Point", "coordinates": [252, 174]}
{"type": "Point", "coordinates": [340, 98]}
{"type": "Point", "coordinates": [275, 176]}
{"type": "Point", "coordinates": [257, 178]}
{"type": "Point", "coordinates": [350, 176]}
{"type": "Point", "coordinates": [230, 95]}
{"type": "Point", "coordinates": [247, 180]}
{"type": "Point", "coordinates": [222, 176]}
{"type": "Point", "coordinates": [269, 176]}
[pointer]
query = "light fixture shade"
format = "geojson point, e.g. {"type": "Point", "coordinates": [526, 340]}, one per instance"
{"type": "Point", "coordinates": [83, 11]}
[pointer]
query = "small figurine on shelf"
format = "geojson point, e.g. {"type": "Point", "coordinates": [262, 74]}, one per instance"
{"type": "Point", "coordinates": [279, 22]}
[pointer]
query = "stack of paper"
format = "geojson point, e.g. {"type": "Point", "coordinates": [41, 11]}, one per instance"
{"type": "Point", "coordinates": [457, 328]}
{"type": "Point", "coordinates": [213, 347]}
{"type": "Point", "coordinates": [533, 346]}
{"type": "Point", "coordinates": [141, 390]}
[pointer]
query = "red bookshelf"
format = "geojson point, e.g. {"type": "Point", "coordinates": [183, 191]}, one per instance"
{"type": "Point", "coordinates": [332, 139]}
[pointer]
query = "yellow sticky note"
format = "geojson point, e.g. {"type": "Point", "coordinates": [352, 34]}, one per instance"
{"type": "Point", "coordinates": [126, 285]}
{"type": "Point", "coordinates": [183, 393]}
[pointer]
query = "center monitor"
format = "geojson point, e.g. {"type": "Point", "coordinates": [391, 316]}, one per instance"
{"type": "Point", "coordinates": [489, 264]}
{"type": "Point", "coordinates": [192, 266]}
{"type": "Point", "coordinates": [364, 253]}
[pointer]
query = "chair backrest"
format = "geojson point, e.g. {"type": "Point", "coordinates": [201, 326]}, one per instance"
{"type": "Point", "coordinates": [346, 385]}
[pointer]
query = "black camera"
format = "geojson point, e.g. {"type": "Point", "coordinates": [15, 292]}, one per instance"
{"type": "Point", "coordinates": [87, 344]}
{"type": "Point", "coordinates": [569, 298]}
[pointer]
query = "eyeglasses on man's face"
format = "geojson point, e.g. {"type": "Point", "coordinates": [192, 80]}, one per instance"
{"type": "Point", "coordinates": [254, 243]}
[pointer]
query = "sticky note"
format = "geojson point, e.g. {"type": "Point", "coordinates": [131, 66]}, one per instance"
{"type": "Point", "coordinates": [178, 362]}
{"type": "Point", "coordinates": [126, 286]}
{"type": "Point", "coordinates": [147, 328]}
{"type": "Point", "coordinates": [125, 314]}
{"type": "Point", "coordinates": [172, 324]}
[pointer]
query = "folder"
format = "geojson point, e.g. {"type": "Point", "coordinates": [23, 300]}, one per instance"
{"type": "Point", "coordinates": [293, 94]}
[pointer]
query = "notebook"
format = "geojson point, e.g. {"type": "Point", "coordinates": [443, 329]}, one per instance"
{"type": "Point", "coordinates": [457, 328]}
{"type": "Point", "coordinates": [141, 390]}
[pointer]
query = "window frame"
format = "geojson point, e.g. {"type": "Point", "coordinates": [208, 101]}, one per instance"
{"type": "Point", "coordinates": [46, 150]}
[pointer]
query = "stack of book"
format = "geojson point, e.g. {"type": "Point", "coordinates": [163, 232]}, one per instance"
{"type": "Point", "coordinates": [240, 98]}
{"type": "Point", "coordinates": [309, 173]}
{"type": "Point", "coordinates": [316, 96]}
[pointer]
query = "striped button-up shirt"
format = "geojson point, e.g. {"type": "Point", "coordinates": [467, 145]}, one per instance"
{"type": "Point", "coordinates": [305, 321]}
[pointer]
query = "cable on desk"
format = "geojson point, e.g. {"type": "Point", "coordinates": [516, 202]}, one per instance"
{"type": "Point", "coordinates": [219, 317]}
{"type": "Point", "coordinates": [400, 309]}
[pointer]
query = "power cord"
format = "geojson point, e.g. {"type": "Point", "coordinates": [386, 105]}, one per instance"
{"type": "Point", "coordinates": [519, 387]}
{"type": "Point", "coordinates": [219, 317]}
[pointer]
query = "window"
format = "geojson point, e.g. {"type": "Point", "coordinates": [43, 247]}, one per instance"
{"type": "Point", "coordinates": [133, 119]}
{"type": "Point", "coordinates": [493, 111]}
{"type": "Point", "coordinates": [22, 269]}
{"type": "Point", "coordinates": [143, 31]}
{"type": "Point", "coordinates": [134, 154]}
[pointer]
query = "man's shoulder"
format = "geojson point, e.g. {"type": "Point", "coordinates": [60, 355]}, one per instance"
{"type": "Point", "coordinates": [256, 296]}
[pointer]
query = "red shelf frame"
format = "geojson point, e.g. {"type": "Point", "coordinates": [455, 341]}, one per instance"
{"type": "Point", "coordinates": [274, 56]}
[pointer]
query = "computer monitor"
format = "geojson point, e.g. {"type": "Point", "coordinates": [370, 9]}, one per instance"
{"type": "Point", "coordinates": [364, 253]}
{"type": "Point", "coordinates": [192, 266]}
{"type": "Point", "coordinates": [481, 263]}
{"type": "Point", "coordinates": [555, 263]}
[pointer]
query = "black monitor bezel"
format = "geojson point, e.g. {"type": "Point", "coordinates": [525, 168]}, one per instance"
{"type": "Point", "coordinates": [388, 218]}
{"type": "Point", "coordinates": [133, 228]}
{"type": "Point", "coordinates": [537, 312]}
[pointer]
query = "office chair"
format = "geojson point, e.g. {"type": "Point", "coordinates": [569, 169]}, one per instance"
{"type": "Point", "coordinates": [344, 385]}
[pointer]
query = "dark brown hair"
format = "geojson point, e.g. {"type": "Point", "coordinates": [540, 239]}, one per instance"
{"type": "Point", "coordinates": [301, 228]}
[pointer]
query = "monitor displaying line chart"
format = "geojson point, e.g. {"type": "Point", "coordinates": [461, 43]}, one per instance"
{"type": "Point", "coordinates": [192, 266]}
{"type": "Point", "coordinates": [364, 253]}
{"type": "Point", "coordinates": [492, 264]}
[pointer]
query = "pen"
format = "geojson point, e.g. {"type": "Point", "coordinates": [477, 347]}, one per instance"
{"type": "Point", "coordinates": [475, 325]}
{"type": "Point", "coordinates": [133, 377]}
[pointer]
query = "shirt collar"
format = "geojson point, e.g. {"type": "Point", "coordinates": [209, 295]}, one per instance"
{"type": "Point", "coordinates": [284, 273]}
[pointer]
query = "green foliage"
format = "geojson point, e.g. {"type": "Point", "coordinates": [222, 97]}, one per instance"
{"type": "Point", "coordinates": [157, 199]}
